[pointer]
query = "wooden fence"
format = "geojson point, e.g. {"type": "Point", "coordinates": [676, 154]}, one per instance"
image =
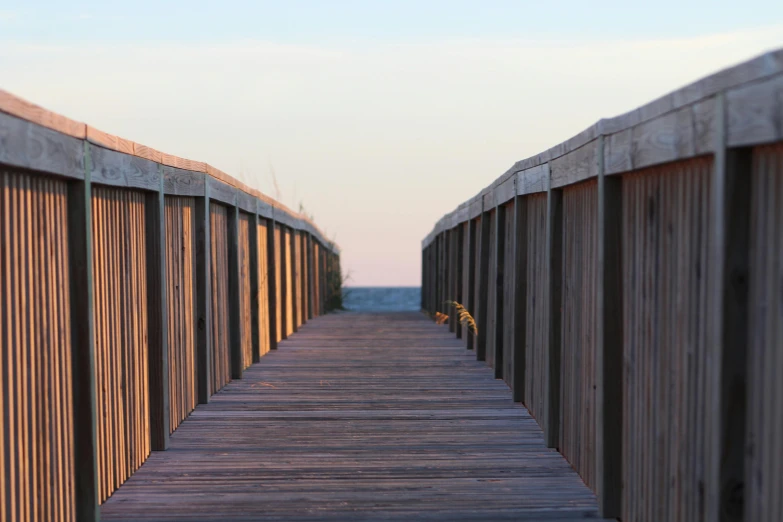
{"type": "Point", "coordinates": [133, 286]}
{"type": "Point", "coordinates": [627, 286]}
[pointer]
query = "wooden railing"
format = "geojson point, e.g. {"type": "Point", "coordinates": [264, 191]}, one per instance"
{"type": "Point", "coordinates": [627, 286]}
{"type": "Point", "coordinates": [133, 286]}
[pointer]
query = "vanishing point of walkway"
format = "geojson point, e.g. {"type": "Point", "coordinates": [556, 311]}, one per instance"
{"type": "Point", "coordinates": [358, 417]}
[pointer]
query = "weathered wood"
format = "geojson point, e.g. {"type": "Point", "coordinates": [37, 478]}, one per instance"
{"type": "Point", "coordinates": [124, 170]}
{"type": "Point", "coordinates": [271, 277]}
{"type": "Point", "coordinates": [609, 347]}
{"type": "Point", "coordinates": [179, 182]}
{"type": "Point", "coordinates": [220, 191]}
{"type": "Point", "coordinates": [554, 248]}
{"type": "Point", "coordinates": [763, 494]}
{"type": "Point", "coordinates": [284, 269]}
{"type": "Point", "coordinates": [30, 146]}
{"type": "Point", "coordinates": [234, 305]}
{"type": "Point", "coordinates": [460, 274]}
{"type": "Point", "coordinates": [352, 445]}
{"type": "Point", "coordinates": [295, 310]}
{"type": "Point", "coordinates": [520, 296]}
{"type": "Point", "coordinates": [452, 279]}
{"type": "Point", "coordinates": [472, 300]}
{"type": "Point", "coordinates": [157, 318]}
{"type": "Point", "coordinates": [255, 288]}
{"type": "Point", "coordinates": [203, 297]}
{"type": "Point", "coordinates": [482, 297]}
{"type": "Point", "coordinates": [500, 257]}
{"type": "Point", "coordinates": [728, 328]}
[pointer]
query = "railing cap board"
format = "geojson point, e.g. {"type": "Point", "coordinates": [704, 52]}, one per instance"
{"type": "Point", "coordinates": [463, 212]}
{"type": "Point", "coordinates": [506, 190]}
{"type": "Point", "coordinates": [31, 146]}
{"type": "Point", "coordinates": [476, 206]}
{"type": "Point", "coordinates": [34, 138]}
{"type": "Point", "coordinates": [178, 182]}
{"type": "Point", "coordinates": [675, 126]}
{"type": "Point", "coordinates": [532, 180]}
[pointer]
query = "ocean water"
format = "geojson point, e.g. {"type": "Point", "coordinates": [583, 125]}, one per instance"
{"type": "Point", "coordinates": [382, 298]}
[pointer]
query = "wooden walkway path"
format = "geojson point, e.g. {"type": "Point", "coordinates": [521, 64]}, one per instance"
{"type": "Point", "coordinates": [358, 417]}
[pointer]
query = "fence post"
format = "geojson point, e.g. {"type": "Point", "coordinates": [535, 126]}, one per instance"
{"type": "Point", "coordinates": [310, 278]}
{"type": "Point", "coordinates": [727, 324]}
{"type": "Point", "coordinates": [157, 316]}
{"type": "Point", "coordinates": [554, 249]}
{"type": "Point", "coordinates": [235, 325]}
{"type": "Point", "coordinates": [609, 344]}
{"type": "Point", "coordinates": [203, 296]}
{"type": "Point", "coordinates": [500, 256]}
{"type": "Point", "coordinates": [471, 305]}
{"type": "Point", "coordinates": [271, 282]}
{"type": "Point", "coordinates": [283, 286]}
{"type": "Point", "coordinates": [520, 296]}
{"type": "Point", "coordinates": [452, 281]}
{"type": "Point", "coordinates": [83, 344]}
{"type": "Point", "coordinates": [255, 288]}
{"type": "Point", "coordinates": [459, 276]}
{"type": "Point", "coordinates": [483, 268]}
{"type": "Point", "coordinates": [294, 280]}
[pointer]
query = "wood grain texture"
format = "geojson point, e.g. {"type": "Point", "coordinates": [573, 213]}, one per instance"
{"type": "Point", "coordinates": [393, 437]}
{"type": "Point", "coordinates": [36, 114]}
{"type": "Point", "coordinates": [220, 361]}
{"type": "Point", "coordinates": [179, 182]}
{"type": "Point", "coordinates": [36, 437]}
{"type": "Point", "coordinates": [677, 126]}
{"type": "Point", "coordinates": [245, 290]}
{"type": "Point", "coordinates": [263, 288]}
{"type": "Point", "coordinates": [29, 146]}
{"type": "Point", "coordinates": [764, 484]}
{"type": "Point", "coordinates": [181, 296]}
{"type": "Point", "coordinates": [577, 440]}
{"type": "Point", "coordinates": [665, 262]}
{"type": "Point", "coordinates": [536, 308]}
{"type": "Point", "coordinates": [121, 342]}
{"type": "Point", "coordinates": [123, 170]}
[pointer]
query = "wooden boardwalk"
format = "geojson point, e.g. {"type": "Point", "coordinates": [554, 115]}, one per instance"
{"type": "Point", "coordinates": [358, 417]}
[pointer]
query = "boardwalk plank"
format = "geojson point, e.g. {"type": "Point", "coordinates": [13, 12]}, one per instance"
{"type": "Point", "coordinates": [358, 417]}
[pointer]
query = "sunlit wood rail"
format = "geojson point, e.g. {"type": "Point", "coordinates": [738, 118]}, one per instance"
{"type": "Point", "coordinates": [627, 287]}
{"type": "Point", "coordinates": [358, 417]}
{"type": "Point", "coordinates": [134, 285]}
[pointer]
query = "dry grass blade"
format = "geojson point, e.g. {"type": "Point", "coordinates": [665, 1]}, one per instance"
{"type": "Point", "coordinates": [464, 316]}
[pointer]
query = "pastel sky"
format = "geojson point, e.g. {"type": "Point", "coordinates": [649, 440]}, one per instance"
{"type": "Point", "coordinates": [378, 117]}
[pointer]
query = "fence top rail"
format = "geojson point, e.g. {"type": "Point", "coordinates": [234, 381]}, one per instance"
{"type": "Point", "coordinates": [747, 99]}
{"type": "Point", "coordinates": [34, 138]}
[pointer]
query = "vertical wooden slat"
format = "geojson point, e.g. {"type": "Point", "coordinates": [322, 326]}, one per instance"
{"type": "Point", "coordinates": [82, 324]}
{"type": "Point", "coordinates": [609, 346]}
{"type": "Point", "coordinates": [483, 279]}
{"type": "Point", "coordinates": [293, 249]}
{"type": "Point", "coordinates": [281, 247]}
{"type": "Point", "coordinates": [221, 345]}
{"type": "Point", "coordinates": [578, 327]}
{"type": "Point", "coordinates": [203, 297]}
{"type": "Point", "coordinates": [262, 278]}
{"type": "Point", "coordinates": [36, 335]}
{"type": "Point", "coordinates": [181, 296]}
{"type": "Point", "coordinates": [764, 487]}
{"type": "Point", "coordinates": [122, 339]}
{"type": "Point", "coordinates": [155, 234]}
{"type": "Point", "coordinates": [473, 252]}
{"type": "Point", "coordinates": [253, 257]}
{"type": "Point", "coordinates": [499, 283]}
{"type": "Point", "coordinates": [727, 327]}
{"type": "Point", "coordinates": [272, 257]}
{"type": "Point", "coordinates": [554, 247]}
{"type": "Point", "coordinates": [520, 324]}
{"type": "Point", "coordinates": [235, 297]}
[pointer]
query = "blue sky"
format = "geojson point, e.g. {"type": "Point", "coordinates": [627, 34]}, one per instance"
{"type": "Point", "coordinates": [378, 117]}
{"type": "Point", "coordinates": [340, 22]}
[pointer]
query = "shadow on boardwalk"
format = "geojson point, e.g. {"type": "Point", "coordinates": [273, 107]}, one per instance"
{"type": "Point", "coordinates": [358, 417]}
